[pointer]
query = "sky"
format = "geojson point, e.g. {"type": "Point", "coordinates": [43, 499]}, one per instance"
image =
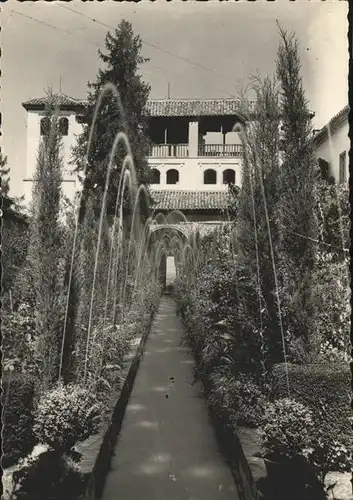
{"type": "Point", "coordinates": [203, 50]}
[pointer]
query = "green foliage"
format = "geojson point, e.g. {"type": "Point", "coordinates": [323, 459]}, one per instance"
{"type": "Point", "coordinates": [333, 214]}
{"type": "Point", "coordinates": [17, 418]}
{"type": "Point", "coordinates": [297, 203]}
{"type": "Point", "coordinates": [250, 400]}
{"type": "Point", "coordinates": [286, 429]}
{"type": "Point", "coordinates": [122, 61]}
{"type": "Point", "coordinates": [65, 416]}
{"type": "Point", "coordinates": [325, 389]}
{"type": "Point", "coordinates": [240, 399]}
{"type": "Point", "coordinates": [48, 476]}
{"type": "Point", "coordinates": [328, 455]}
{"type": "Point", "coordinates": [257, 226]}
{"type": "Point", "coordinates": [5, 175]}
{"type": "Point", "coordinates": [18, 334]}
{"type": "Point", "coordinates": [107, 350]}
{"type": "Point", "coordinates": [14, 237]}
{"type": "Point", "coordinates": [14, 246]}
{"type": "Point", "coordinates": [333, 308]}
{"type": "Point", "coordinates": [45, 264]}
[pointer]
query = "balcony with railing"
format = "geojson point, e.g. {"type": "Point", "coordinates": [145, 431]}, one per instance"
{"type": "Point", "coordinates": [169, 150]}
{"type": "Point", "coordinates": [204, 150]}
{"type": "Point", "coordinates": [224, 150]}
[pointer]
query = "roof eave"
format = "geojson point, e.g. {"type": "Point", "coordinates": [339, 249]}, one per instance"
{"type": "Point", "coordinates": [63, 107]}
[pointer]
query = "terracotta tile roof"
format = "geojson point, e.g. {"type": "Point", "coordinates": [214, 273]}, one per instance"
{"type": "Point", "coordinates": [156, 107]}
{"type": "Point", "coordinates": [190, 200]}
{"type": "Point", "coordinates": [193, 107]}
{"type": "Point", "coordinates": [62, 100]}
{"type": "Point", "coordinates": [333, 124]}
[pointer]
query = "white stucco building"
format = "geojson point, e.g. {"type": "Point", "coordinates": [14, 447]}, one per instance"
{"type": "Point", "coordinates": [332, 146]}
{"type": "Point", "coordinates": [195, 145]}
{"type": "Point", "coordinates": [69, 111]}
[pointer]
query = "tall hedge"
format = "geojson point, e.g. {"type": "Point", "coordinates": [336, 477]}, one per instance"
{"type": "Point", "coordinates": [325, 389]}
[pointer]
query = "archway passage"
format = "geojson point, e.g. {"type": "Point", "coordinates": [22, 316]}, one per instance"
{"type": "Point", "coordinates": [170, 241]}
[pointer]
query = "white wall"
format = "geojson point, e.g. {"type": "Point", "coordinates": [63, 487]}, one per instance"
{"type": "Point", "coordinates": [217, 138]}
{"type": "Point", "coordinates": [191, 172]}
{"type": "Point", "coordinates": [33, 141]}
{"type": "Point", "coordinates": [330, 150]}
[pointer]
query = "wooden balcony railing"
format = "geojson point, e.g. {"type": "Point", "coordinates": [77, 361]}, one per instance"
{"type": "Point", "coordinates": [182, 150]}
{"type": "Point", "coordinates": [220, 150]}
{"type": "Point", "coordinates": [169, 150]}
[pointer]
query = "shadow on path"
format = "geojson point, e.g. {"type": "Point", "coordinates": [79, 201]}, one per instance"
{"type": "Point", "coordinates": [167, 449]}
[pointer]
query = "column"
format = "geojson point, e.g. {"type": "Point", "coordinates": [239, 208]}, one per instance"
{"type": "Point", "coordinates": [163, 177]}
{"type": "Point", "coordinates": [193, 138]}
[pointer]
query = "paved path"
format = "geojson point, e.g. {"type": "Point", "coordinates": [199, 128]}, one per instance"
{"type": "Point", "coordinates": [167, 449]}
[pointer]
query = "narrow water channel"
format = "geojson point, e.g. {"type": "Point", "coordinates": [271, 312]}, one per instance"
{"type": "Point", "coordinates": [167, 449]}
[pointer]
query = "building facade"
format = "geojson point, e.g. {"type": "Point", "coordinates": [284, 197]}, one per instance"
{"type": "Point", "coordinates": [332, 147]}
{"type": "Point", "coordinates": [195, 153]}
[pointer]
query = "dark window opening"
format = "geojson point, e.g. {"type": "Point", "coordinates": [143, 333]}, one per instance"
{"type": "Point", "coordinates": [63, 126]}
{"type": "Point", "coordinates": [172, 176]}
{"type": "Point", "coordinates": [229, 176]}
{"type": "Point", "coordinates": [155, 176]}
{"type": "Point", "coordinates": [44, 126]}
{"type": "Point", "coordinates": [210, 177]}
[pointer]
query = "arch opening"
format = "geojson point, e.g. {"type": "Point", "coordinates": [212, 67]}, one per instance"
{"type": "Point", "coordinates": [172, 176]}
{"type": "Point", "coordinates": [229, 176]}
{"type": "Point", "coordinates": [64, 126]}
{"type": "Point", "coordinates": [44, 126]}
{"type": "Point", "coordinates": [210, 176]}
{"type": "Point", "coordinates": [155, 176]}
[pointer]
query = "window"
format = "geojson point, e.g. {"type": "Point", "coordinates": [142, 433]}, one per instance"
{"type": "Point", "coordinates": [210, 177]}
{"type": "Point", "coordinates": [63, 126]}
{"type": "Point", "coordinates": [229, 176]}
{"type": "Point", "coordinates": [172, 176]}
{"type": "Point", "coordinates": [342, 167]}
{"type": "Point", "coordinates": [155, 176]}
{"type": "Point", "coordinates": [44, 126]}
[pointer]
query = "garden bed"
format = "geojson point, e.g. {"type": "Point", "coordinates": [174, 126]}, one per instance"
{"type": "Point", "coordinates": [96, 451]}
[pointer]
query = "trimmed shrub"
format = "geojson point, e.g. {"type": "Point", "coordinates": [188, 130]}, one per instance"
{"type": "Point", "coordinates": [17, 417]}
{"type": "Point", "coordinates": [325, 390]}
{"type": "Point", "coordinates": [65, 416]}
{"type": "Point", "coordinates": [286, 429]}
{"type": "Point", "coordinates": [239, 401]}
{"type": "Point", "coordinates": [286, 441]}
{"type": "Point", "coordinates": [249, 400]}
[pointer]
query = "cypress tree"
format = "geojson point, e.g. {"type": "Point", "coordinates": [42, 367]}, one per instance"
{"type": "Point", "coordinates": [122, 60]}
{"type": "Point", "coordinates": [257, 218]}
{"type": "Point", "coordinates": [45, 262]}
{"type": "Point", "coordinates": [296, 209]}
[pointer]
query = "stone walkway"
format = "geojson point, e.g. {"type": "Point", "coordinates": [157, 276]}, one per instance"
{"type": "Point", "coordinates": [167, 449]}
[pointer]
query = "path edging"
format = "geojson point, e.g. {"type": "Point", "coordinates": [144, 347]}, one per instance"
{"type": "Point", "coordinates": [94, 479]}
{"type": "Point", "coordinates": [233, 451]}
